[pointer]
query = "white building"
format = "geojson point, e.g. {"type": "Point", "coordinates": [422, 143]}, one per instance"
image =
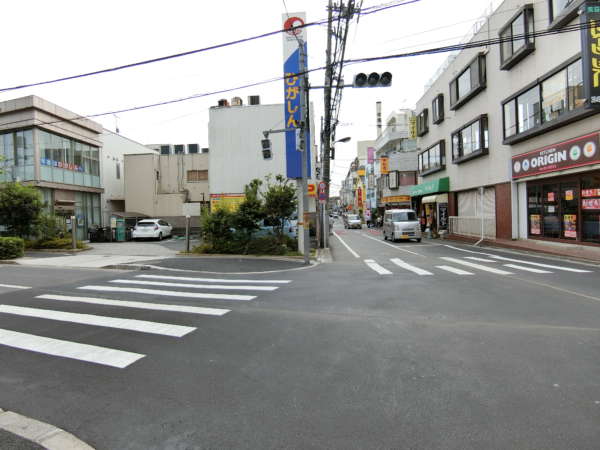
{"type": "Point", "coordinates": [112, 166]}
{"type": "Point", "coordinates": [514, 121]}
{"type": "Point", "coordinates": [235, 158]}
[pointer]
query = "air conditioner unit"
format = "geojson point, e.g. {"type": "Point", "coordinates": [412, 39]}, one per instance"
{"type": "Point", "coordinates": [254, 100]}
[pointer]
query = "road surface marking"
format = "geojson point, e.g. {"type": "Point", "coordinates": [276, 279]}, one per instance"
{"type": "Point", "coordinates": [14, 286]}
{"type": "Point", "coordinates": [547, 266]}
{"type": "Point", "coordinates": [455, 270]}
{"type": "Point", "coordinates": [138, 305]}
{"type": "Point", "coordinates": [169, 293]}
{"type": "Point", "coordinates": [356, 255]}
{"type": "Point", "coordinates": [66, 349]}
{"type": "Point", "coordinates": [527, 269]}
{"type": "Point", "coordinates": [475, 258]}
{"type": "Point", "coordinates": [476, 266]}
{"type": "Point", "coordinates": [464, 250]}
{"type": "Point", "coordinates": [197, 286]}
{"type": "Point", "coordinates": [377, 268]}
{"type": "Point", "coordinates": [212, 280]}
{"type": "Point", "coordinates": [393, 246]}
{"type": "Point", "coordinates": [407, 266]}
{"type": "Point", "coordinates": [142, 326]}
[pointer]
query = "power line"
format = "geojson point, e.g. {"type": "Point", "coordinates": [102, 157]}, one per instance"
{"type": "Point", "coordinates": [176, 55]}
{"type": "Point", "coordinates": [452, 48]}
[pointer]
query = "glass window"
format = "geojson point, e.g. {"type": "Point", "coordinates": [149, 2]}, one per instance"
{"type": "Point", "coordinates": [518, 29]}
{"type": "Point", "coordinates": [569, 206]}
{"type": "Point", "coordinates": [590, 208]}
{"type": "Point", "coordinates": [554, 96]}
{"type": "Point", "coordinates": [464, 83]}
{"type": "Point", "coordinates": [551, 203]}
{"type": "Point", "coordinates": [534, 210]}
{"type": "Point", "coordinates": [558, 6]}
{"type": "Point", "coordinates": [118, 167]}
{"type": "Point", "coordinates": [506, 47]}
{"type": "Point", "coordinates": [528, 109]}
{"type": "Point", "coordinates": [510, 119]}
{"type": "Point", "coordinates": [575, 85]}
{"type": "Point", "coordinates": [404, 216]}
{"type": "Point", "coordinates": [471, 139]}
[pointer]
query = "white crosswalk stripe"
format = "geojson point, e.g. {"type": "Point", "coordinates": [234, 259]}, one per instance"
{"type": "Point", "coordinates": [546, 266]}
{"type": "Point", "coordinates": [197, 286]}
{"type": "Point", "coordinates": [455, 270]}
{"type": "Point", "coordinates": [410, 267]}
{"type": "Point", "coordinates": [202, 288]}
{"type": "Point", "coordinates": [169, 293]}
{"type": "Point", "coordinates": [376, 267]}
{"type": "Point", "coordinates": [138, 305]}
{"type": "Point", "coordinates": [56, 347]}
{"type": "Point", "coordinates": [526, 269]}
{"type": "Point", "coordinates": [213, 280]}
{"type": "Point", "coordinates": [476, 266]}
{"type": "Point", "coordinates": [475, 258]}
{"type": "Point", "coordinates": [142, 326]}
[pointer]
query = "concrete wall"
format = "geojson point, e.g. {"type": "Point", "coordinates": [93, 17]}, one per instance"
{"type": "Point", "coordinates": [140, 183]}
{"type": "Point", "coordinates": [173, 175]}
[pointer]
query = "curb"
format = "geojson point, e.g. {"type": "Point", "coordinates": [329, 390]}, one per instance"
{"type": "Point", "coordinates": [46, 435]}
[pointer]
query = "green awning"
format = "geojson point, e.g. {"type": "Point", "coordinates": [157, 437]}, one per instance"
{"type": "Point", "coordinates": [430, 187]}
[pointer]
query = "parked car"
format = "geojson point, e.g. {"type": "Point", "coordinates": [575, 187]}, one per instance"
{"type": "Point", "coordinates": [401, 224]}
{"type": "Point", "coordinates": [352, 221]}
{"type": "Point", "coordinates": [152, 228]}
{"type": "Point", "coordinates": [290, 228]}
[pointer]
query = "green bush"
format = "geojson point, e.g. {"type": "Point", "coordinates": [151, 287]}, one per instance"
{"type": "Point", "coordinates": [264, 245]}
{"type": "Point", "coordinates": [11, 247]}
{"type": "Point", "coordinates": [60, 244]}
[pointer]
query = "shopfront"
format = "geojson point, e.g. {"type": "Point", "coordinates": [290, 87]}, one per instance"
{"type": "Point", "coordinates": [565, 207]}
{"type": "Point", "coordinates": [430, 200]}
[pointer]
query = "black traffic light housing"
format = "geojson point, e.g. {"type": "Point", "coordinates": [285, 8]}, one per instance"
{"type": "Point", "coordinates": [266, 148]}
{"type": "Point", "coordinates": [374, 79]}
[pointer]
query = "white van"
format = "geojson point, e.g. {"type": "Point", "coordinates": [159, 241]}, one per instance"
{"type": "Point", "coordinates": [401, 224]}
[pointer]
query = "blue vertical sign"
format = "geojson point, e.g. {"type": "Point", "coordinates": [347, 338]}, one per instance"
{"type": "Point", "coordinates": [292, 93]}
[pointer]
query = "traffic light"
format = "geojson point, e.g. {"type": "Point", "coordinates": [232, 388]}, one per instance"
{"type": "Point", "coordinates": [266, 148]}
{"type": "Point", "coordinates": [374, 79]}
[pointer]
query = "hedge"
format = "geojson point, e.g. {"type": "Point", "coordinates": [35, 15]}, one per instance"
{"type": "Point", "coordinates": [58, 243]}
{"type": "Point", "coordinates": [11, 247]}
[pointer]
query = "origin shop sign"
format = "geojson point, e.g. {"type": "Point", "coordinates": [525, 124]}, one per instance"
{"type": "Point", "coordinates": [580, 151]}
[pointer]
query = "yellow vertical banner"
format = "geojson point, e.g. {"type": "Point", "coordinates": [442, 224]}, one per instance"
{"type": "Point", "coordinates": [385, 165]}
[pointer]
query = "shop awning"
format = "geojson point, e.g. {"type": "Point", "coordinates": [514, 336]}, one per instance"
{"type": "Point", "coordinates": [439, 198]}
{"type": "Point", "coordinates": [430, 187]}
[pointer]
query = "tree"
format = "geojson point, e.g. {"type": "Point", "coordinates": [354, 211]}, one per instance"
{"type": "Point", "coordinates": [246, 219]}
{"type": "Point", "coordinates": [280, 202]}
{"type": "Point", "coordinates": [20, 208]}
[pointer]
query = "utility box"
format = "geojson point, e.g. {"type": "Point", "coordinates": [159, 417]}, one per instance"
{"type": "Point", "coordinates": [120, 230]}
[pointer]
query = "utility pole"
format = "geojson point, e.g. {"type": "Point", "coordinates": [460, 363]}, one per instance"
{"type": "Point", "coordinates": [304, 145]}
{"type": "Point", "coordinates": [326, 135]}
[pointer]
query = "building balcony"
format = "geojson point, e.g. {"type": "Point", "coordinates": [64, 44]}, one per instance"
{"type": "Point", "coordinates": [390, 135]}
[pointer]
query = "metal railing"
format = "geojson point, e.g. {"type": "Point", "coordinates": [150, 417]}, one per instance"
{"type": "Point", "coordinates": [471, 226]}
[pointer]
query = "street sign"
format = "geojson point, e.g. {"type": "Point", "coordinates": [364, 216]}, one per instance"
{"type": "Point", "coordinates": [322, 192]}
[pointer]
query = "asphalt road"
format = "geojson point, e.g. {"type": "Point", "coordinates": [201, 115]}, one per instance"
{"type": "Point", "coordinates": [397, 345]}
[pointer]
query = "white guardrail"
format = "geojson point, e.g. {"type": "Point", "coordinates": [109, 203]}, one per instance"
{"type": "Point", "coordinates": [471, 226]}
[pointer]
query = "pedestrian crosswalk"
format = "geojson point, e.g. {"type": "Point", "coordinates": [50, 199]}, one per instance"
{"type": "Point", "coordinates": [117, 293]}
{"type": "Point", "coordinates": [466, 265]}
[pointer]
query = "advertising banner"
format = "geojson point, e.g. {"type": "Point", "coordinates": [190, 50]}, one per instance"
{"type": "Point", "coordinates": [580, 151]}
{"type": "Point", "coordinates": [370, 155]}
{"type": "Point", "coordinates": [228, 202]}
{"type": "Point", "coordinates": [312, 190]}
{"type": "Point", "coordinates": [292, 93]}
{"type": "Point", "coordinates": [570, 225]}
{"type": "Point", "coordinates": [590, 51]}
{"type": "Point", "coordinates": [385, 165]}
{"type": "Point", "coordinates": [535, 221]}
{"type": "Point", "coordinates": [590, 203]}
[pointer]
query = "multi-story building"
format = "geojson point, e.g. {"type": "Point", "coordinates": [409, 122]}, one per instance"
{"type": "Point", "coordinates": [508, 133]}
{"type": "Point", "coordinates": [235, 133]}
{"type": "Point", "coordinates": [57, 151]}
{"type": "Point", "coordinates": [112, 165]}
{"type": "Point", "coordinates": [396, 161]}
{"type": "Point", "coordinates": [168, 186]}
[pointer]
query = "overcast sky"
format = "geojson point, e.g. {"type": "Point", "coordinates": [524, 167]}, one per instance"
{"type": "Point", "coordinates": [49, 39]}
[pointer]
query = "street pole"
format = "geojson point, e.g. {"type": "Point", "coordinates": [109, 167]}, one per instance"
{"type": "Point", "coordinates": [187, 234]}
{"type": "Point", "coordinates": [304, 145]}
{"type": "Point", "coordinates": [326, 135]}
{"type": "Point", "coordinates": [74, 232]}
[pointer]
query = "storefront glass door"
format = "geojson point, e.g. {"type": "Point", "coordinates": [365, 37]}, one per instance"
{"type": "Point", "coordinates": [590, 208]}
{"type": "Point", "coordinates": [551, 202]}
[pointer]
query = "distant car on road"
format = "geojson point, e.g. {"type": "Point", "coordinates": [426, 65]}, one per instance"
{"type": "Point", "coordinates": [401, 224]}
{"type": "Point", "coordinates": [352, 221]}
{"type": "Point", "coordinates": [152, 229]}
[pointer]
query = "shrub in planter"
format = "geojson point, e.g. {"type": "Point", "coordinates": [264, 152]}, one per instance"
{"type": "Point", "coordinates": [61, 244]}
{"type": "Point", "coordinates": [11, 247]}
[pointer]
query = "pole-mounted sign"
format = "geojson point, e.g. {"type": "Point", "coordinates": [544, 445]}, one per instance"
{"type": "Point", "coordinates": [292, 93]}
{"type": "Point", "coordinates": [590, 51]}
{"type": "Point", "coordinates": [322, 192]}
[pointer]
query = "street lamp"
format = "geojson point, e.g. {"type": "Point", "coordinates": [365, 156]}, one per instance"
{"type": "Point", "coordinates": [346, 139]}
{"type": "Point", "coordinates": [343, 140]}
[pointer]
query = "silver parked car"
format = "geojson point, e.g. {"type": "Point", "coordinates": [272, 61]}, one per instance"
{"type": "Point", "coordinates": [352, 221]}
{"type": "Point", "coordinates": [401, 224]}
{"type": "Point", "coordinates": [152, 228]}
